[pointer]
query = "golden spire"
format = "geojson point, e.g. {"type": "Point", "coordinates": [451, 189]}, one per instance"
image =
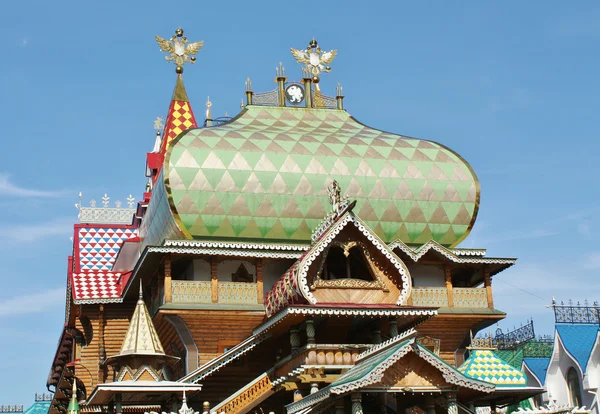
{"type": "Point", "coordinates": [179, 50]}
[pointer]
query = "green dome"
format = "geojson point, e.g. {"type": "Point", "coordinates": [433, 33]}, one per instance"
{"type": "Point", "coordinates": [264, 176]}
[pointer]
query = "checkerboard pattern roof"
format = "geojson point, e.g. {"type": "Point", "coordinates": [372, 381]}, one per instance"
{"type": "Point", "coordinates": [98, 246]}
{"type": "Point", "coordinates": [484, 365]}
{"type": "Point", "coordinates": [180, 115]}
{"type": "Point", "coordinates": [265, 174]}
{"type": "Point", "coordinates": [96, 287]}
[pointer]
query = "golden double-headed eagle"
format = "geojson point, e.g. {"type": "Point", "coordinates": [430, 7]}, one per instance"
{"type": "Point", "coordinates": [179, 49]}
{"type": "Point", "coordinates": [314, 58]}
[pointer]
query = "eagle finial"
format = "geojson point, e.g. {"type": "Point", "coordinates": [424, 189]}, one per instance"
{"type": "Point", "coordinates": [315, 59]}
{"type": "Point", "coordinates": [179, 49]}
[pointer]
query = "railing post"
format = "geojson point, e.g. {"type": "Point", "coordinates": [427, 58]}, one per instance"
{"type": "Point", "coordinates": [487, 280]}
{"type": "Point", "coordinates": [168, 287]}
{"type": "Point", "coordinates": [214, 280]}
{"type": "Point", "coordinates": [259, 281]}
{"type": "Point", "coordinates": [450, 293]}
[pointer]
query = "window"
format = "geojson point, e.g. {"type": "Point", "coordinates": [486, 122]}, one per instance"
{"type": "Point", "coordinates": [574, 388]}
{"type": "Point", "coordinates": [346, 262]}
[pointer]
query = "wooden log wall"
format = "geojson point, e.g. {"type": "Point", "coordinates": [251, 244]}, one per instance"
{"type": "Point", "coordinates": [116, 321]}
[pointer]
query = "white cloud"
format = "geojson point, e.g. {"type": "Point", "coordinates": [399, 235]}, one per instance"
{"type": "Point", "coordinates": [28, 233]}
{"type": "Point", "coordinates": [32, 303]}
{"type": "Point", "coordinates": [7, 188]}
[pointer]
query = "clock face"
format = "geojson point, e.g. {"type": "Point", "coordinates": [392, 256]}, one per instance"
{"type": "Point", "coordinates": [294, 94]}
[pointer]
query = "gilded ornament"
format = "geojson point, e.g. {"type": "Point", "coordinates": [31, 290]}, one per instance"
{"type": "Point", "coordinates": [179, 49]}
{"type": "Point", "coordinates": [315, 59]}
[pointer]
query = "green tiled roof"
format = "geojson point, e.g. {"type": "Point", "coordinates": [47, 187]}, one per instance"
{"type": "Point", "coordinates": [485, 365]}
{"type": "Point", "coordinates": [264, 175]}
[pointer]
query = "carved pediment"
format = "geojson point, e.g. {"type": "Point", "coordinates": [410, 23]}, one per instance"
{"type": "Point", "coordinates": [348, 265]}
{"type": "Point", "coordinates": [412, 371]}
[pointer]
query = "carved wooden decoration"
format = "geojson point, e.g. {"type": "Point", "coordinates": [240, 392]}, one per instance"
{"type": "Point", "coordinates": [348, 265]}
{"type": "Point", "coordinates": [242, 275]}
{"type": "Point", "coordinates": [430, 343]}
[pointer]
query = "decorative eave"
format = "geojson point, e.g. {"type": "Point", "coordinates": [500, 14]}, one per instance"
{"type": "Point", "coordinates": [269, 246]}
{"type": "Point", "coordinates": [144, 391]}
{"type": "Point", "coordinates": [224, 251]}
{"type": "Point", "coordinates": [454, 255]}
{"type": "Point", "coordinates": [422, 314]}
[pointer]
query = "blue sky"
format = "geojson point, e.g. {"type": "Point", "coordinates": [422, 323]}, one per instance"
{"type": "Point", "coordinates": [512, 86]}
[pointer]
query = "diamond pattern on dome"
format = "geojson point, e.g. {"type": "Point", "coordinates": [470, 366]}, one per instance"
{"type": "Point", "coordinates": [484, 365]}
{"type": "Point", "coordinates": [264, 176]}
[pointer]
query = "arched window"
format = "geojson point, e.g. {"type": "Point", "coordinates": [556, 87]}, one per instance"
{"type": "Point", "coordinates": [574, 388]}
{"type": "Point", "coordinates": [346, 262]}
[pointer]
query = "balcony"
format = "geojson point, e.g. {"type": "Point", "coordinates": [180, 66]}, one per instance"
{"type": "Point", "coordinates": [199, 292]}
{"type": "Point", "coordinates": [451, 298]}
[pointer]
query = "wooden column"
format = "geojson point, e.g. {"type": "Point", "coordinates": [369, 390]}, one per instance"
{"type": "Point", "coordinates": [259, 281]}
{"type": "Point", "coordinates": [168, 287]}
{"type": "Point", "coordinates": [310, 332]}
{"type": "Point", "coordinates": [357, 403]}
{"type": "Point", "coordinates": [430, 405]}
{"type": "Point", "coordinates": [214, 280]}
{"type": "Point", "coordinates": [101, 346]}
{"type": "Point", "coordinates": [487, 281]}
{"type": "Point", "coordinates": [294, 339]}
{"type": "Point", "coordinates": [452, 406]}
{"type": "Point", "coordinates": [448, 275]}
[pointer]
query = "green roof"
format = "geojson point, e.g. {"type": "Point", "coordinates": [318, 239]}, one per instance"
{"type": "Point", "coordinates": [264, 176]}
{"type": "Point", "coordinates": [485, 365]}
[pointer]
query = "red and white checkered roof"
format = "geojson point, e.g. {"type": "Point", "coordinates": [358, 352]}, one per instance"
{"type": "Point", "coordinates": [96, 250]}
{"type": "Point", "coordinates": [98, 246]}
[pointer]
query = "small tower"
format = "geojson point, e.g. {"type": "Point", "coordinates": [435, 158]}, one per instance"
{"type": "Point", "coordinates": [142, 357]}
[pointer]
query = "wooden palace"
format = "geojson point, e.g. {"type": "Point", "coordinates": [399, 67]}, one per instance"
{"type": "Point", "coordinates": [290, 260]}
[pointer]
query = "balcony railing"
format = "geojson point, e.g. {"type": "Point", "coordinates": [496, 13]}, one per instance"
{"type": "Point", "coordinates": [470, 298]}
{"type": "Point", "coordinates": [186, 291]}
{"type": "Point", "coordinates": [238, 293]}
{"type": "Point", "coordinates": [430, 296]}
{"type": "Point", "coordinates": [200, 292]}
{"type": "Point", "coordinates": [461, 297]}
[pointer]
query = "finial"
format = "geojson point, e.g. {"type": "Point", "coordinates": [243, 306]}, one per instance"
{"type": "Point", "coordinates": [280, 70]}
{"type": "Point", "coordinates": [141, 294]}
{"type": "Point", "coordinates": [208, 114]}
{"type": "Point", "coordinates": [158, 124]}
{"type": "Point", "coordinates": [105, 200]}
{"type": "Point", "coordinates": [130, 201]}
{"type": "Point", "coordinates": [180, 51]}
{"type": "Point", "coordinates": [314, 59]}
{"type": "Point", "coordinates": [242, 104]}
{"type": "Point", "coordinates": [339, 89]}
{"type": "Point", "coordinates": [248, 85]}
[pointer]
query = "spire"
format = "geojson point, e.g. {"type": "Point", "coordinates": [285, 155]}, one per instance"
{"type": "Point", "coordinates": [141, 337]}
{"type": "Point", "coordinates": [180, 116]}
{"type": "Point", "coordinates": [73, 404]}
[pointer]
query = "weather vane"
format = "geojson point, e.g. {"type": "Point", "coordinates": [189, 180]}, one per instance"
{"type": "Point", "coordinates": [179, 49]}
{"type": "Point", "coordinates": [315, 59]}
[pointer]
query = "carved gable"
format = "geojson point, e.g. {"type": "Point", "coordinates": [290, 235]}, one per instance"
{"type": "Point", "coordinates": [412, 371]}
